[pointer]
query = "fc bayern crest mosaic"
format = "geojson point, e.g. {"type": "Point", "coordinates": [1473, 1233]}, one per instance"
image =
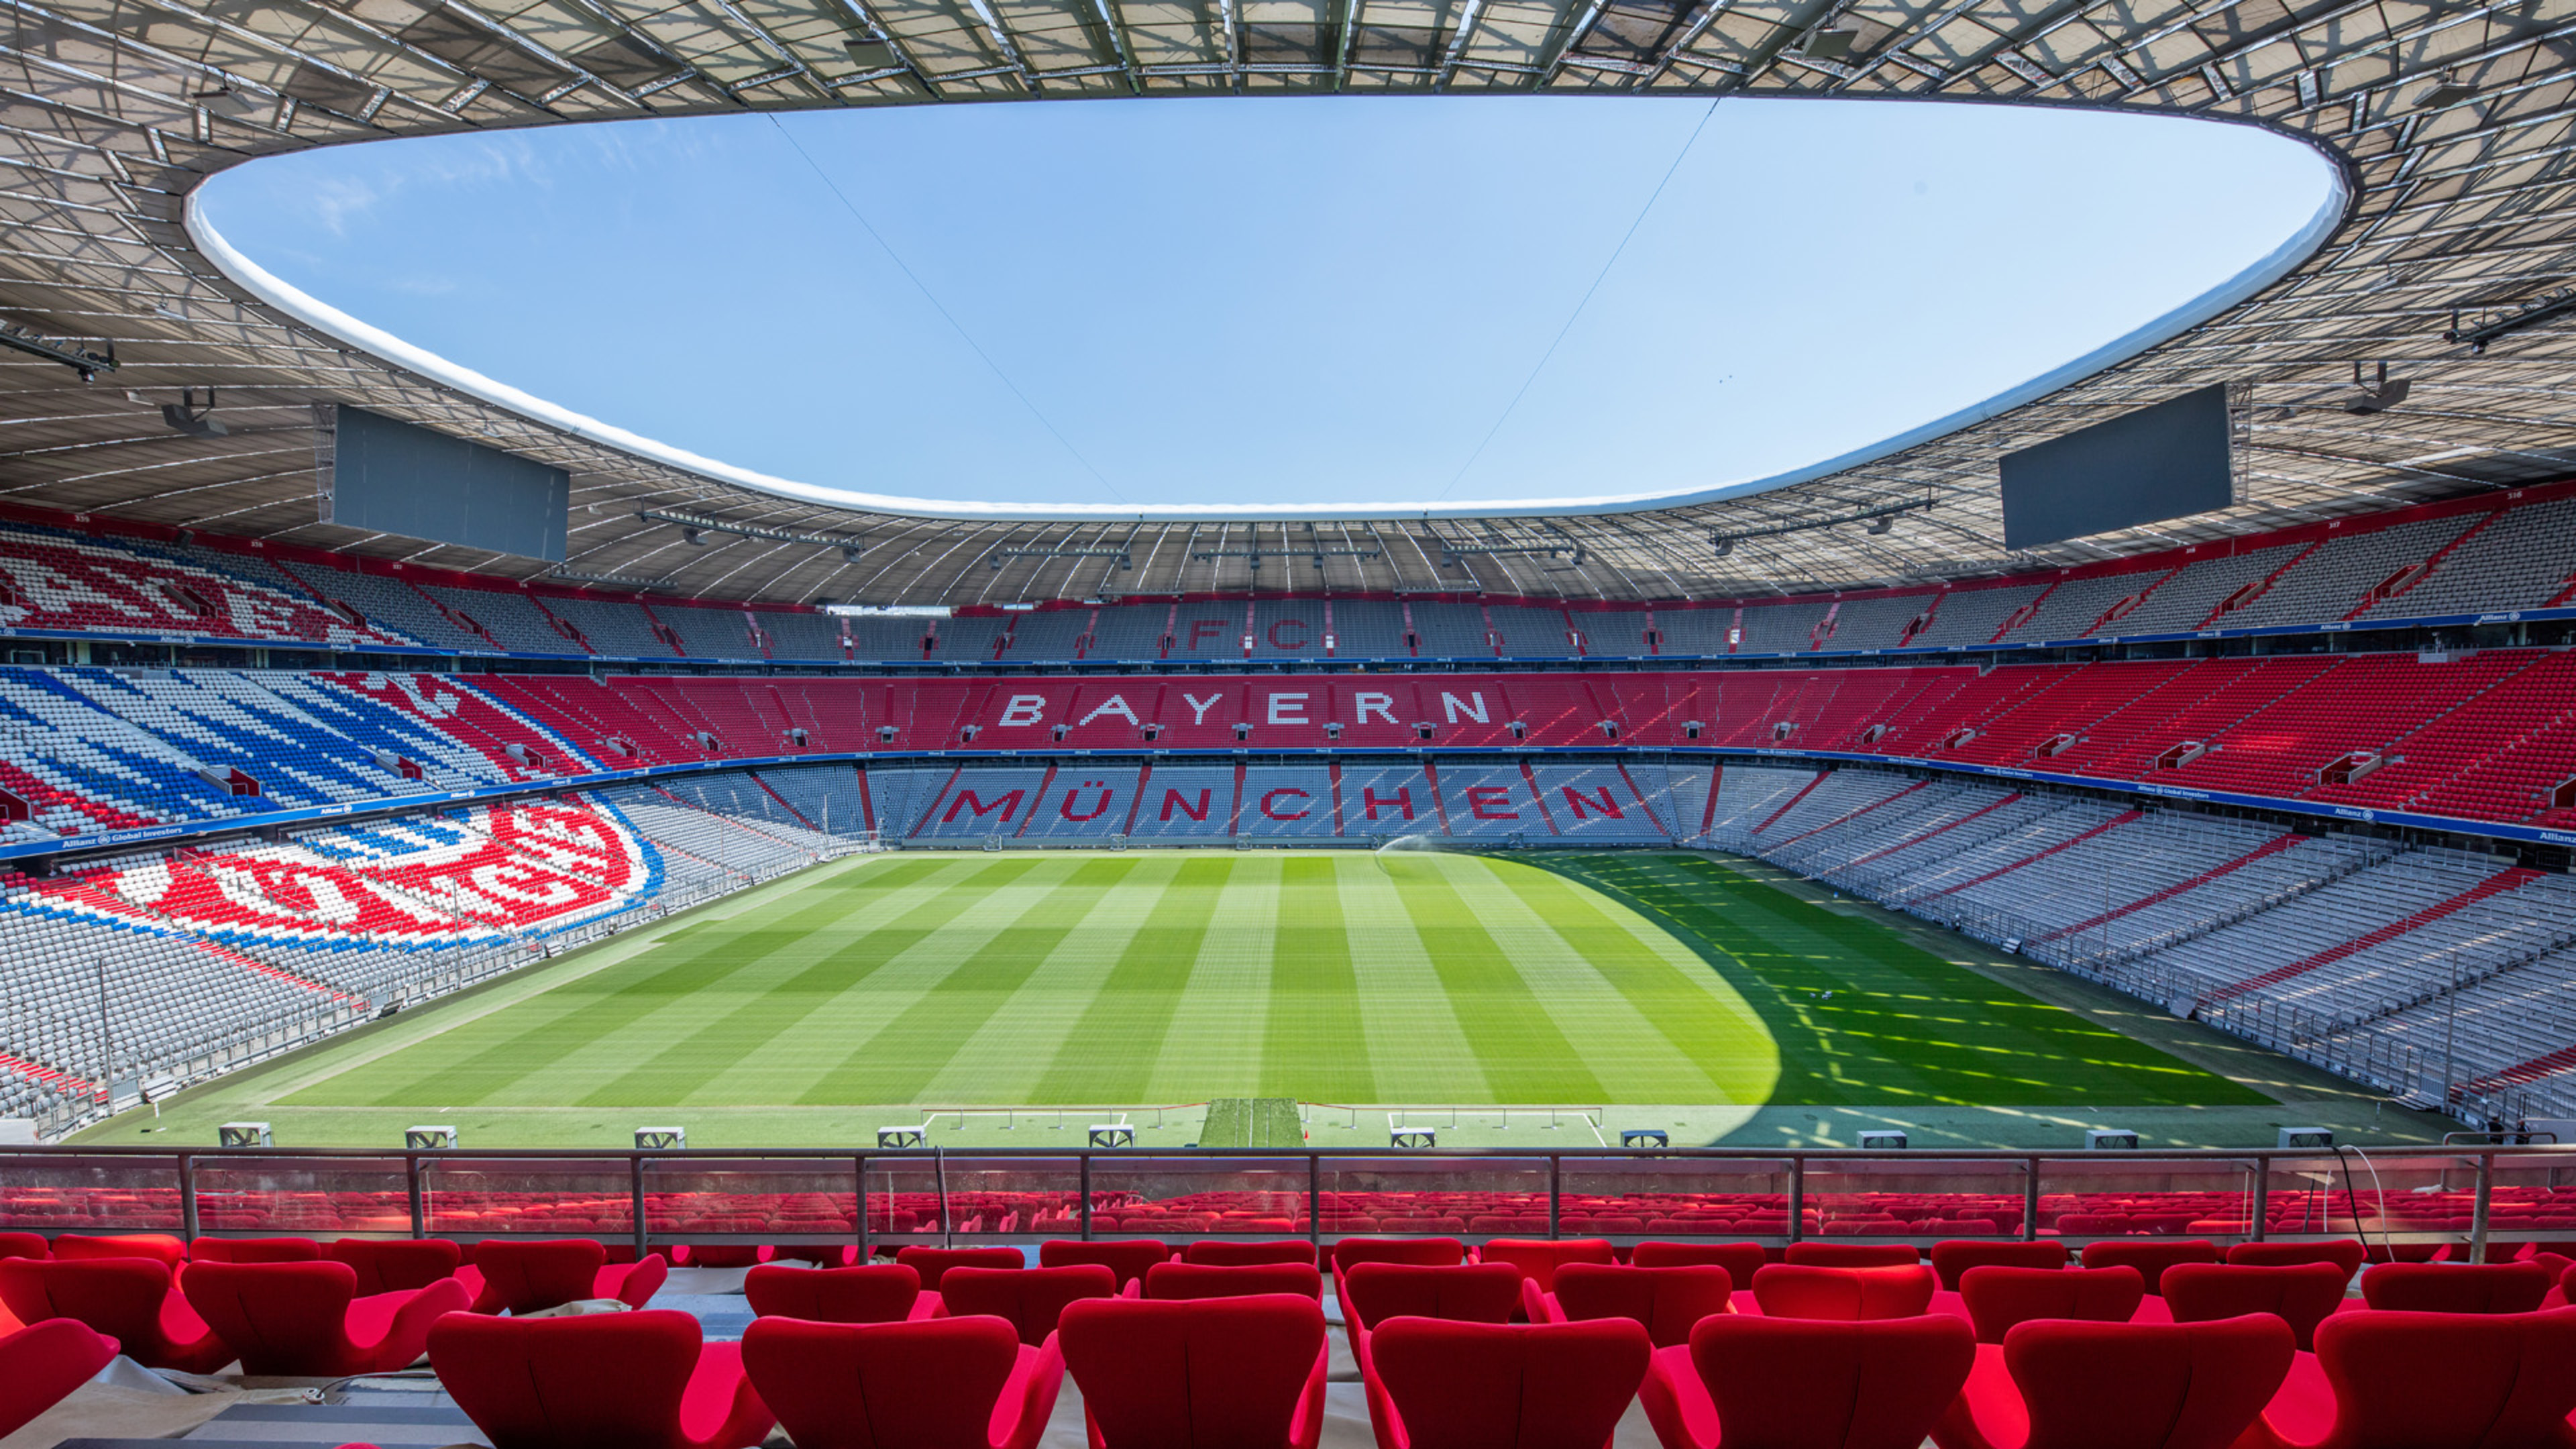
{"type": "Point", "coordinates": [485, 874]}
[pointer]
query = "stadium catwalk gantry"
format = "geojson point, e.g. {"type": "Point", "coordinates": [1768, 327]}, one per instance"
{"type": "Point", "coordinates": [2448, 124]}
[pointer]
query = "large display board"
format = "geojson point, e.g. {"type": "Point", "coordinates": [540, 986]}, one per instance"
{"type": "Point", "coordinates": [2165, 461]}
{"type": "Point", "coordinates": [395, 477]}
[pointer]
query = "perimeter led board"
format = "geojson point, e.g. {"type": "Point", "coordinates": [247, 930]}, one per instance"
{"type": "Point", "coordinates": [2159, 462]}
{"type": "Point", "coordinates": [396, 478]}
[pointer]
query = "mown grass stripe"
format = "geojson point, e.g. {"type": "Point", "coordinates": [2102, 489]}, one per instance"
{"type": "Point", "coordinates": [1525, 1057]}
{"type": "Point", "coordinates": [1314, 1041]}
{"type": "Point", "coordinates": [1109, 1055]}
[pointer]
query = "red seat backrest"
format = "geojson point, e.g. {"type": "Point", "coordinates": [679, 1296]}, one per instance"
{"type": "Point", "coordinates": [120, 1297]}
{"type": "Point", "coordinates": [2149, 1256]}
{"type": "Point", "coordinates": [1511, 1386]}
{"type": "Point", "coordinates": [934, 1263]}
{"type": "Point", "coordinates": [1214, 1373]}
{"type": "Point", "coordinates": [253, 1250]}
{"type": "Point", "coordinates": [1222, 1253]}
{"type": "Point", "coordinates": [1999, 1297]}
{"type": "Point", "coordinates": [2450, 1381]}
{"type": "Point", "coordinates": [2456, 1287]}
{"type": "Point", "coordinates": [1539, 1258]}
{"type": "Point", "coordinates": [24, 1245]}
{"type": "Point", "coordinates": [1031, 1299]}
{"type": "Point", "coordinates": [41, 1364]}
{"type": "Point", "coordinates": [1950, 1259]}
{"type": "Point", "coordinates": [159, 1247]}
{"type": "Point", "coordinates": [1740, 1260]}
{"type": "Point", "coordinates": [2146, 1385]}
{"type": "Point", "coordinates": [2344, 1253]}
{"type": "Point", "coordinates": [1349, 1253]}
{"type": "Point", "coordinates": [393, 1265]}
{"type": "Point", "coordinates": [597, 1381]}
{"type": "Point", "coordinates": [1212, 1280]}
{"type": "Point", "coordinates": [527, 1277]}
{"type": "Point", "coordinates": [1854, 1255]}
{"type": "Point", "coordinates": [1796, 1290]}
{"type": "Point", "coordinates": [869, 1293]}
{"type": "Point", "coordinates": [1126, 1257]}
{"type": "Point", "coordinates": [1468, 1292]}
{"type": "Point", "coordinates": [927, 1385]}
{"type": "Point", "coordinates": [1666, 1302]}
{"type": "Point", "coordinates": [1787, 1383]}
{"type": "Point", "coordinates": [2299, 1294]}
{"type": "Point", "coordinates": [276, 1316]}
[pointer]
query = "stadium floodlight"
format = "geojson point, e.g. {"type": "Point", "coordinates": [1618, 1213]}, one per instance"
{"type": "Point", "coordinates": [185, 416]}
{"type": "Point", "coordinates": [614, 581]}
{"type": "Point", "coordinates": [80, 359]}
{"type": "Point", "coordinates": [2379, 398]}
{"type": "Point", "coordinates": [1126, 558]}
{"type": "Point", "coordinates": [1724, 540]}
{"type": "Point", "coordinates": [2548, 307]}
{"type": "Point", "coordinates": [1497, 547]}
{"type": "Point", "coordinates": [694, 527]}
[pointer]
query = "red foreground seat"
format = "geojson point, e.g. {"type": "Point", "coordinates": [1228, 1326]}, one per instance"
{"type": "Point", "coordinates": [1951, 1259]}
{"type": "Point", "coordinates": [1999, 1298]}
{"type": "Point", "coordinates": [1168, 1281]}
{"type": "Point", "coordinates": [387, 1265]}
{"type": "Point", "coordinates": [2457, 1287]}
{"type": "Point", "coordinates": [2055, 1384]}
{"type": "Point", "coordinates": [1539, 1258]}
{"type": "Point", "coordinates": [1853, 1255]}
{"type": "Point", "coordinates": [41, 1364]}
{"type": "Point", "coordinates": [24, 1245]}
{"type": "Point", "coordinates": [253, 1250]}
{"type": "Point", "coordinates": [951, 1383]}
{"type": "Point", "coordinates": [1224, 1253]}
{"type": "Point", "coordinates": [1466, 1292]}
{"type": "Point", "coordinates": [1031, 1300]}
{"type": "Point", "coordinates": [1790, 1290]}
{"type": "Point", "coordinates": [159, 1247]}
{"type": "Point", "coordinates": [599, 1381]}
{"type": "Point", "coordinates": [2149, 1256]}
{"type": "Point", "coordinates": [2301, 1295]}
{"type": "Point", "coordinates": [517, 1277]}
{"type": "Point", "coordinates": [1216, 1373]}
{"type": "Point", "coordinates": [933, 1263]}
{"type": "Point", "coordinates": [1126, 1257]}
{"type": "Point", "coordinates": [1740, 1260]}
{"type": "Point", "coordinates": [1349, 1253]}
{"type": "Point", "coordinates": [872, 1293]}
{"type": "Point", "coordinates": [2435, 1381]}
{"type": "Point", "coordinates": [1666, 1302]}
{"type": "Point", "coordinates": [2344, 1253]}
{"type": "Point", "coordinates": [1506, 1386]}
{"type": "Point", "coordinates": [1785, 1383]}
{"type": "Point", "coordinates": [306, 1320]}
{"type": "Point", "coordinates": [131, 1300]}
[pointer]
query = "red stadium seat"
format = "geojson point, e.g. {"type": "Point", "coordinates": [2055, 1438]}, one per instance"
{"type": "Point", "coordinates": [1469, 1293]}
{"type": "Point", "coordinates": [875, 1293]}
{"type": "Point", "coordinates": [2150, 1258]}
{"type": "Point", "coordinates": [24, 1245]}
{"type": "Point", "coordinates": [1225, 1253]}
{"type": "Point", "coordinates": [2301, 1295]}
{"type": "Point", "coordinates": [305, 1320]}
{"type": "Point", "coordinates": [1854, 1255]}
{"type": "Point", "coordinates": [955, 1383]}
{"type": "Point", "coordinates": [1784, 1383]}
{"type": "Point", "coordinates": [1419, 1252]}
{"type": "Point", "coordinates": [387, 1265]}
{"type": "Point", "coordinates": [1666, 1302]}
{"type": "Point", "coordinates": [1998, 1297]}
{"type": "Point", "coordinates": [41, 1364]}
{"type": "Point", "coordinates": [1454, 1385]}
{"type": "Point", "coordinates": [1539, 1258]}
{"type": "Point", "coordinates": [1031, 1300]}
{"type": "Point", "coordinates": [524, 1277]}
{"type": "Point", "coordinates": [1796, 1290]}
{"type": "Point", "coordinates": [641, 1380]}
{"type": "Point", "coordinates": [2054, 1384]}
{"type": "Point", "coordinates": [1176, 1280]}
{"type": "Point", "coordinates": [1217, 1372]}
{"type": "Point", "coordinates": [2344, 1253]}
{"type": "Point", "coordinates": [131, 1300]}
{"type": "Point", "coordinates": [254, 1250]}
{"type": "Point", "coordinates": [931, 1262]}
{"type": "Point", "coordinates": [2434, 1381]}
{"type": "Point", "coordinates": [159, 1247]}
{"type": "Point", "coordinates": [2456, 1287]}
{"type": "Point", "coordinates": [1740, 1260]}
{"type": "Point", "coordinates": [1952, 1258]}
{"type": "Point", "coordinates": [1126, 1257]}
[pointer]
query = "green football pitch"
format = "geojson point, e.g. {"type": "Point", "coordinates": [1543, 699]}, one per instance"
{"type": "Point", "coordinates": [818, 1007]}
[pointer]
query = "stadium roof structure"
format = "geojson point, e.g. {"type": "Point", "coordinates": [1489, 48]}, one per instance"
{"type": "Point", "coordinates": [2452, 122]}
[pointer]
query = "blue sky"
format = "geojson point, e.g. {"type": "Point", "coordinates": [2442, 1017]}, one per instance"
{"type": "Point", "coordinates": [1282, 301]}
